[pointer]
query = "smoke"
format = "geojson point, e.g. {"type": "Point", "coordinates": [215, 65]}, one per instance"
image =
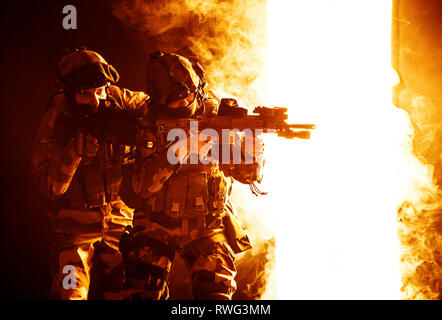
{"type": "Point", "coordinates": [418, 60]}
{"type": "Point", "coordinates": [228, 38]}
{"type": "Point", "coordinates": [420, 216]}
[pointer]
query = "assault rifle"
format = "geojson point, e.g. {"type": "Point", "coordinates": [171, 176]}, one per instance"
{"type": "Point", "coordinates": [125, 125]}
{"type": "Point", "coordinates": [230, 117]}
{"type": "Point", "coordinates": [107, 125]}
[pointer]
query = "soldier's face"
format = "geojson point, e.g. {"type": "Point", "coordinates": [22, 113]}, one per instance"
{"type": "Point", "coordinates": [182, 108]}
{"type": "Point", "coordinates": [91, 96]}
{"type": "Point", "coordinates": [182, 102]}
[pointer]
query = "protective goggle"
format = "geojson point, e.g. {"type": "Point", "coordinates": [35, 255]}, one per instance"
{"type": "Point", "coordinates": [179, 91]}
{"type": "Point", "coordinates": [98, 84]}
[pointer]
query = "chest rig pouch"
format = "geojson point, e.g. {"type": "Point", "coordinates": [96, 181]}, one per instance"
{"type": "Point", "coordinates": [220, 188]}
{"type": "Point", "coordinates": [102, 186]}
{"type": "Point", "coordinates": [94, 187]}
{"type": "Point", "coordinates": [97, 182]}
{"type": "Point", "coordinates": [192, 194]}
{"type": "Point", "coordinates": [187, 195]}
{"type": "Point", "coordinates": [103, 177]}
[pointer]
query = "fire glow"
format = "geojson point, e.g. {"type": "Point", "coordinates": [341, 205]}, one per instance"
{"type": "Point", "coordinates": [335, 197]}
{"type": "Point", "coordinates": [333, 200]}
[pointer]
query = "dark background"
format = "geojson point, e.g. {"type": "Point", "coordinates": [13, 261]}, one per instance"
{"type": "Point", "coordinates": [32, 41]}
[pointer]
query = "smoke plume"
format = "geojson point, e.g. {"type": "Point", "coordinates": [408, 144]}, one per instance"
{"type": "Point", "coordinates": [417, 58]}
{"type": "Point", "coordinates": [228, 39]}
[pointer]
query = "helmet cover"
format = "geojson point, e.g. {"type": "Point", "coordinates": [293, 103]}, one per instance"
{"type": "Point", "coordinates": [82, 68]}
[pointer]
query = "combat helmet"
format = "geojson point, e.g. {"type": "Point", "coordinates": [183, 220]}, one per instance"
{"type": "Point", "coordinates": [171, 77]}
{"type": "Point", "coordinates": [81, 68]}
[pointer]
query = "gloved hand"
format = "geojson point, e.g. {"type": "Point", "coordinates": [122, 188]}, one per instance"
{"type": "Point", "coordinates": [255, 149]}
{"type": "Point", "coordinates": [252, 148]}
{"type": "Point", "coordinates": [86, 145]}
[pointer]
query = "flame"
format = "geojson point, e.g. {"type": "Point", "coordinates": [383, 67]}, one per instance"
{"type": "Point", "coordinates": [226, 37]}
{"type": "Point", "coordinates": [420, 214]}
{"type": "Point", "coordinates": [229, 39]}
{"type": "Point", "coordinates": [336, 206]}
{"type": "Point", "coordinates": [417, 56]}
{"type": "Point", "coordinates": [333, 200]}
{"type": "Point", "coordinates": [336, 195]}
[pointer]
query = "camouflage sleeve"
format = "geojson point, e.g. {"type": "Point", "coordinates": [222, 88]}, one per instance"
{"type": "Point", "coordinates": [244, 172]}
{"type": "Point", "coordinates": [150, 176]}
{"type": "Point", "coordinates": [53, 165]}
{"type": "Point", "coordinates": [132, 100]}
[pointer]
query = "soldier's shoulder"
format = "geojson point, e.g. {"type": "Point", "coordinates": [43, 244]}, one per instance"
{"type": "Point", "coordinates": [58, 104]}
{"type": "Point", "coordinates": [127, 98]}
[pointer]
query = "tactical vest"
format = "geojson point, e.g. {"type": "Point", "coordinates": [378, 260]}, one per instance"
{"type": "Point", "coordinates": [196, 192]}
{"type": "Point", "coordinates": [97, 182]}
{"type": "Point", "coordinates": [193, 197]}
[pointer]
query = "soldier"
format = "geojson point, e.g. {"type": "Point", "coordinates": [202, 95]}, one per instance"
{"type": "Point", "coordinates": [181, 208]}
{"type": "Point", "coordinates": [83, 173]}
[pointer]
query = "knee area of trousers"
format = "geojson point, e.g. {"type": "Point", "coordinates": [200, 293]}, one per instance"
{"type": "Point", "coordinates": [206, 288]}
{"type": "Point", "coordinates": [140, 290]}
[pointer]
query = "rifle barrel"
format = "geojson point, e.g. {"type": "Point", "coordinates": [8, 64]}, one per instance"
{"type": "Point", "coordinates": [302, 126]}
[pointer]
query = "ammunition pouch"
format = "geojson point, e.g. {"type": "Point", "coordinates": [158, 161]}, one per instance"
{"type": "Point", "coordinates": [187, 195]}
{"type": "Point", "coordinates": [113, 177]}
{"type": "Point", "coordinates": [93, 187]}
{"type": "Point", "coordinates": [203, 246]}
{"type": "Point", "coordinates": [176, 196]}
{"type": "Point", "coordinates": [127, 193]}
{"type": "Point", "coordinates": [173, 223]}
{"type": "Point", "coordinates": [192, 196]}
{"type": "Point", "coordinates": [235, 233]}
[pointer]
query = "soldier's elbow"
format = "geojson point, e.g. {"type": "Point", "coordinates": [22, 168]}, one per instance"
{"type": "Point", "coordinates": [56, 190]}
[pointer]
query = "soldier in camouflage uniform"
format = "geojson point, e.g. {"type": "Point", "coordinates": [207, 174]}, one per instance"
{"type": "Point", "coordinates": [181, 208]}
{"type": "Point", "coordinates": [84, 175]}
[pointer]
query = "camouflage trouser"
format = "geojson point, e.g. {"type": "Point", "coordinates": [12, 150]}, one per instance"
{"type": "Point", "coordinates": [149, 251]}
{"type": "Point", "coordinates": [84, 240]}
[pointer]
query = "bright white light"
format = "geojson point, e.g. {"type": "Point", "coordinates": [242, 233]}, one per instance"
{"type": "Point", "coordinates": [335, 196]}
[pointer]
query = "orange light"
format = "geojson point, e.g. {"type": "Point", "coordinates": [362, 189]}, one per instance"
{"type": "Point", "coordinates": [335, 196]}
{"type": "Point", "coordinates": [333, 199]}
